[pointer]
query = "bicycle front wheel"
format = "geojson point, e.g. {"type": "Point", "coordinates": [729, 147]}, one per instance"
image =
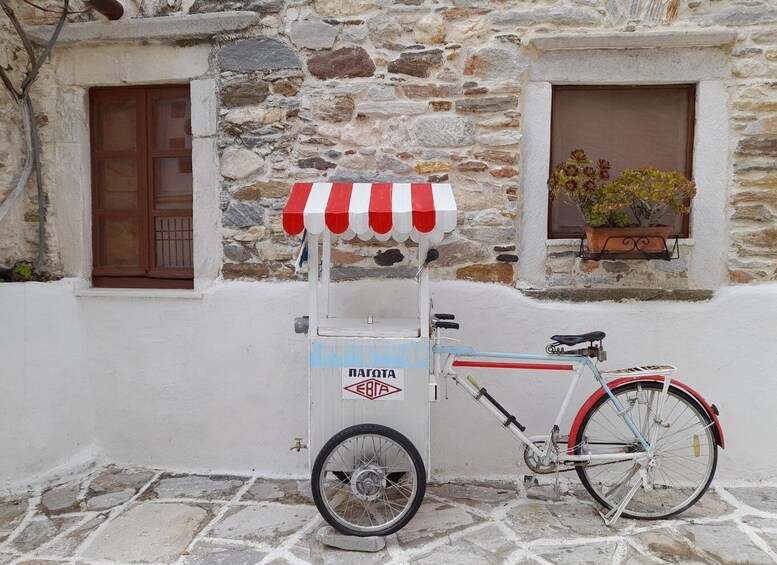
{"type": "Point", "coordinates": [368, 480]}
{"type": "Point", "coordinates": [686, 452]}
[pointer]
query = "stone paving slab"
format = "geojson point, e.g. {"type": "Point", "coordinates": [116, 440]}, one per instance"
{"type": "Point", "coordinates": [120, 516]}
{"type": "Point", "coordinates": [113, 479]}
{"type": "Point", "coordinates": [764, 499]}
{"type": "Point", "coordinates": [149, 532]}
{"type": "Point", "coordinates": [765, 528]}
{"type": "Point", "coordinates": [433, 520]}
{"type": "Point", "coordinates": [11, 513]}
{"type": "Point", "coordinates": [263, 523]}
{"type": "Point", "coordinates": [62, 498]}
{"type": "Point", "coordinates": [284, 491]}
{"type": "Point", "coordinates": [723, 543]}
{"type": "Point", "coordinates": [590, 554]}
{"type": "Point", "coordinates": [40, 531]}
{"type": "Point", "coordinates": [68, 543]}
{"type": "Point", "coordinates": [197, 486]}
{"type": "Point", "coordinates": [206, 553]}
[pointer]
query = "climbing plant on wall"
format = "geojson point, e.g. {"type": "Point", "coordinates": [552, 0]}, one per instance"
{"type": "Point", "coordinates": [20, 93]}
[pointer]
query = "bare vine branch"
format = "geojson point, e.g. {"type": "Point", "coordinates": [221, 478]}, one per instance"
{"type": "Point", "coordinates": [32, 138]}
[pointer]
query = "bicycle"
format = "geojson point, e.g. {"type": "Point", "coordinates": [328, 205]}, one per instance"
{"type": "Point", "coordinates": [644, 445]}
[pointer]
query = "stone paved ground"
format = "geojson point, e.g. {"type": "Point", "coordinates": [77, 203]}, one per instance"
{"type": "Point", "coordinates": [141, 516]}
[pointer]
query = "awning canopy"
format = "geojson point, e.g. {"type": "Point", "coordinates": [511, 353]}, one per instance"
{"type": "Point", "coordinates": [366, 210]}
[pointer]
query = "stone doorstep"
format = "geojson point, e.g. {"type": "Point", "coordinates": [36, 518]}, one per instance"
{"type": "Point", "coordinates": [332, 538]}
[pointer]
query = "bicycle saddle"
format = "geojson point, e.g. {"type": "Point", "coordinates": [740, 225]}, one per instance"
{"type": "Point", "coordinates": [575, 339]}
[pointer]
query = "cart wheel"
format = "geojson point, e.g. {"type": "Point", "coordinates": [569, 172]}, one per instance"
{"type": "Point", "coordinates": [368, 480]}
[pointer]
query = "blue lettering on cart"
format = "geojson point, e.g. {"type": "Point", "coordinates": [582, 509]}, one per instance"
{"type": "Point", "coordinates": [357, 353]}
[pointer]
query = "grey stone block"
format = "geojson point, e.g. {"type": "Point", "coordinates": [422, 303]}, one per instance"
{"type": "Point", "coordinates": [262, 7]}
{"type": "Point", "coordinates": [489, 104]}
{"type": "Point", "coordinates": [263, 54]}
{"type": "Point", "coordinates": [493, 63]}
{"type": "Point", "coordinates": [329, 536]}
{"type": "Point", "coordinates": [313, 35]}
{"type": "Point", "coordinates": [386, 109]}
{"type": "Point", "coordinates": [237, 215]}
{"type": "Point", "coordinates": [738, 16]}
{"type": "Point", "coordinates": [445, 131]}
{"type": "Point", "coordinates": [558, 15]}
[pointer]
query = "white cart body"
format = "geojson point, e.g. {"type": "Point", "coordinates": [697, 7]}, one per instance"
{"type": "Point", "coordinates": [368, 370]}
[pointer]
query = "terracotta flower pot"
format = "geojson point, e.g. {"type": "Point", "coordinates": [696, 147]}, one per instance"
{"type": "Point", "coordinates": [623, 240]}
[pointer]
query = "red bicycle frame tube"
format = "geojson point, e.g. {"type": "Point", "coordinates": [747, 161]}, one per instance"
{"type": "Point", "coordinates": [498, 365]}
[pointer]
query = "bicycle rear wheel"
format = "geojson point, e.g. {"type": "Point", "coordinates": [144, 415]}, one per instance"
{"type": "Point", "coordinates": [686, 452]}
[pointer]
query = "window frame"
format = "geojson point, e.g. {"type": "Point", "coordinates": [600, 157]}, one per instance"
{"type": "Point", "coordinates": [689, 146]}
{"type": "Point", "coordinates": [147, 275]}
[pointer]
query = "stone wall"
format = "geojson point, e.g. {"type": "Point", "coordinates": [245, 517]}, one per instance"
{"type": "Point", "coordinates": [411, 90]}
{"type": "Point", "coordinates": [753, 255]}
{"type": "Point", "coordinates": [19, 228]}
{"type": "Point", "coordinates": [15, 232]}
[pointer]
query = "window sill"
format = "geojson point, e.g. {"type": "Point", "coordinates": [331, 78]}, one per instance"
{"type": "Point", "coordinates": [618, 295]}
{"type": "Point", "coordinates": [575, 242]}
{"type": "Point", "coordinates": [138, 293]}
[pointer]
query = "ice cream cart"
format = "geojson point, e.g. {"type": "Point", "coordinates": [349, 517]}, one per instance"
{"type": "Point", "coordinates": [370, 370]}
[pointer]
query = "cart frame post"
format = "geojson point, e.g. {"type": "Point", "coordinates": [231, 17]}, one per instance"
{"type": "Point", "coordinates": [313, 285]}
{"type": "Point", "coordinates": [423, 287]}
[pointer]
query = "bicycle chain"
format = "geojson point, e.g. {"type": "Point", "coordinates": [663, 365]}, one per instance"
{"type": "Point", "coordinates": [574, 466]}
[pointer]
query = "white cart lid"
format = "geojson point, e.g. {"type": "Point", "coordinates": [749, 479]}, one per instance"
{"type": "Point", "coordinates": [367, 210]}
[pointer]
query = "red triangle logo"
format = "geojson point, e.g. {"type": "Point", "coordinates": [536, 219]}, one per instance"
{"type": "Point", "coordinates": [372, 389]}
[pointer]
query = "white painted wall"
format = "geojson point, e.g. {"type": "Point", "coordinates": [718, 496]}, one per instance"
{"type": "Point", "coordinates": [46, 404]}
{"type": "Point", "coordinates": [218, 383]}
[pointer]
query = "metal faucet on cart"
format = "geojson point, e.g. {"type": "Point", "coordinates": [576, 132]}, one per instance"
{"type": "Point", "coordinates": [644, 445]}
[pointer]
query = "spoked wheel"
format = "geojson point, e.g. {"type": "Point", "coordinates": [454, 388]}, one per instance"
{"type": "Point", "coordinates": [368, 480]}
{"type": "Point", "coordinates": [686, 452]}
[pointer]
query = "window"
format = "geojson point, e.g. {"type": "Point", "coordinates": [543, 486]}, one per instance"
{"type": "Point", "coordinates": [141, 148]}
{"type": "Point", "coordinates": [630, 126]}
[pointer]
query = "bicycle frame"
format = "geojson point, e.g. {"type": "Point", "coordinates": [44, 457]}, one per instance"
{"type": "Point", "coordinates": [445, 357]}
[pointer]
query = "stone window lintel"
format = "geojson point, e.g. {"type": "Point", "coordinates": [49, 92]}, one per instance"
{"type": "Point", "coordinates": [159, 28]}
{"type": "Point", "coordinates": [633, 40]}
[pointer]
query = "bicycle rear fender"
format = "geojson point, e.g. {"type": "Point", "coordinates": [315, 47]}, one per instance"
{"type": "Point", "coordinates": [717, 430]}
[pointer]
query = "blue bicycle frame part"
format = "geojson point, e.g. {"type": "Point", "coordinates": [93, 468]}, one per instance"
{"type": "Point", "coordinates": [459, 351]}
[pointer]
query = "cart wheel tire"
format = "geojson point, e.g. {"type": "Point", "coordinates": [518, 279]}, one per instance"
{"type": "Point", "coordinates": [368, 480]}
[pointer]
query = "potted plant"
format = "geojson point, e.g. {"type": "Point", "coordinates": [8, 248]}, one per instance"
{"type": "Point", "coordinates": [647, 194]}
{"type": "Point", "coordinates": [650, 195]}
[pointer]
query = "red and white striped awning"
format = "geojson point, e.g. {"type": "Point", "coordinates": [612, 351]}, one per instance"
{"type": "Point", "coordinates": [366, 210]}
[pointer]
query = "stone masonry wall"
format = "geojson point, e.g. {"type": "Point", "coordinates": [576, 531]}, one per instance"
{"type": "Point", "coordinates": [430, 91]}
{"type": "Point", "coordinates": [19, 228]}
